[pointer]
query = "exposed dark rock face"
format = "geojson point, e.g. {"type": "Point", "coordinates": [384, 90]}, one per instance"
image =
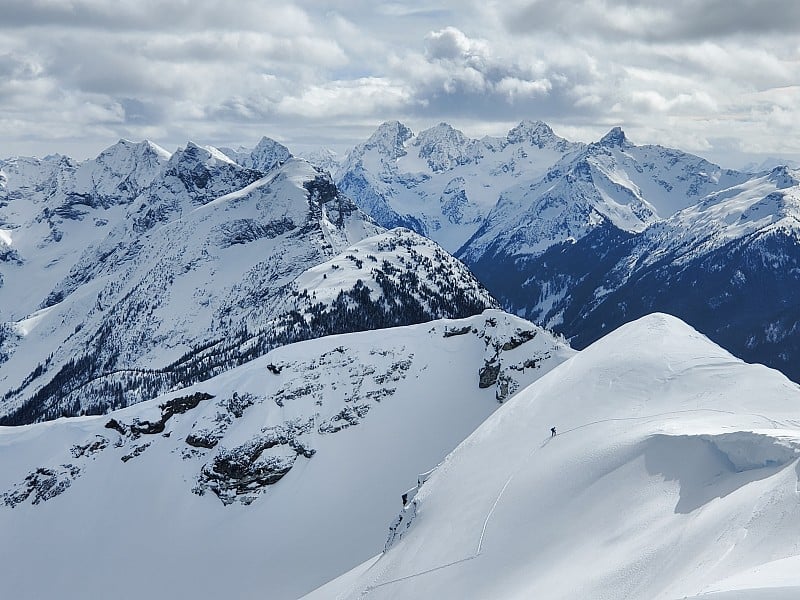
{"type": "Point", "coordinates": [487, 375]}
{"type": "Point", "coordinates": [457, 331]}
{"type": "Point", "coordinates": [519, 339]}
{"type": "Point", "coordinates": [244, 231]}
{"type": "Point", "coordinates": [203, 439]}
{"type": "Point", "coordinates": [347, 417]}
{"type": "Point", "coordinates": [90, 448]}
{"type": "Point", "coordinates": [42, 485]}
{"type": "Point", "coordinates": [243, 472]}
{"type": "Point", "coordinates": [169, 409]}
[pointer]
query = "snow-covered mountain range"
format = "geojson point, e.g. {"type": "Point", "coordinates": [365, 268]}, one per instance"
{"type": "Point", "coordinates": [727, 263]}
{"type": "Point", "coordinates": [265, 481]}
{"type": "Point", "coordinates": [610, 182]}
{"type": "Point", "coordinates": [583, 238]}
{"type": "Point", "coordinates": [674, 474]}
{"type": "Point", "coordinates": [139, 271]}
{"type": "Point", "coordinates": [440, 182]}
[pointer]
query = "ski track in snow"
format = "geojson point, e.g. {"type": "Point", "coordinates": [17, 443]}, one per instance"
{"type": "Point", "coordinates": [511, 477]}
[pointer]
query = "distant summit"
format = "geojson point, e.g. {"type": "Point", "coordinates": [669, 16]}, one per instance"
{"type": "Point", "coordinates": [615, 137]}
{"type": "Point", "coordinates": [440, 182]}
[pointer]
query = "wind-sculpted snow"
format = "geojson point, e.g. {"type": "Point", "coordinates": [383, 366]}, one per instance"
{"type": "Point", "coordinates": [748, 451]}
{"type": "Point", "coordinates": [674, 472]}
{"type": "Point", "coordinates": [276, 475]}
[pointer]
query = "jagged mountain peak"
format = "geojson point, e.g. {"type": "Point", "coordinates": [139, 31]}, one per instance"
{"type": "Point", "coordinates": [197, 154]}
{"type": "Point", "coordinates": [125, 146]}
{"type": "Point", "coordinates": [266, 155]}
{"type": "Point", "coordinates": [783, 177]}
{"type": "Point", "coordinates": [537, 132]}
{"type": "Point", "coordinates": [390, 138]}
{"type": "Point", "coordinates": [263, 157]}
{"type": "Point", "coordinates": [615, 137]}
{"type": "Point", "coordinates": [129, 156]}
{"type": "Point", "coordinates": [269, 144]}
{"type": "Point", "coordinates": [444, 147]}
{"type": "Point", "coordinates": [441, 130]}
{"type": "Point", "coordinates": [410, 184]}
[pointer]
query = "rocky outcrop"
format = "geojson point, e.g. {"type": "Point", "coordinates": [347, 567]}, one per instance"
{"type": "Point", "coordinates": [42, 485]}
{"type": "Point", "coordinates": [241, 473]}
{"type": "Point", "coordinates": [169, 409]}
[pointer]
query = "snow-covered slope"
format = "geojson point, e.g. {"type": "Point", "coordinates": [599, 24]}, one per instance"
{"type": "Point", "coordinates": [728, 265]}
{"type": "Point", "coordinates": [263, 482]}
{"type": "Point", "coordinates": [440, 182]}
{"type": "Point", "coordinates": [205, 254]}
{"type": "Point", "coordinates": [611, 182]}
{"type": "Point", "coordinates": [763, 204]}
{"type": "Point", "coordinates": [674, 474]}
{"type": "Point", "coordinates": [55, 208]}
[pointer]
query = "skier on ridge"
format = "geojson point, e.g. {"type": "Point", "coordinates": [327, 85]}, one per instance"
{"type": "Point", "coordinates": [552, 432]}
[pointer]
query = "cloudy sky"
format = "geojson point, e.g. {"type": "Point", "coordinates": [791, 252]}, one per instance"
{"type": "Point", "coordinates": [717, 77]}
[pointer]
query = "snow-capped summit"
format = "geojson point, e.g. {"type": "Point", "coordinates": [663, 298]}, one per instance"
{"type": "Point", "coordinates": [264, 157]}
{"type": "Point", "coordinates": [615, 137]}
{"type": "Point", "coordinates": [537, 133]}
{"type": "Point", "coordinates": [388, 140]}
{"type": "Point", "coordinates": [206, 254]}
{"type": "Point", "coordinates": [444, 147]}
{"type": "Point", "coordinates": [784, 177]}
{"type": "Point", "coordinates": [610, 186]}
{"type": "Point", "coordinates": [408, 180]}
{"type": "Point", "coordinates": [120, 172]}
{"type": "Point", "coordinates": [672, 475]}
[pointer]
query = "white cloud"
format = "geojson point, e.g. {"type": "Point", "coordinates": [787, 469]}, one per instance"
{"type": "Point", "coordinates": [335, 99]}
{"type": "Point", "coordinates": [81, 74]}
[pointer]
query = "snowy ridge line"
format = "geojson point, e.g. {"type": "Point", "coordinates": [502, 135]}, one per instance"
{"type": "Point", "coordinates": [479, 549]}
